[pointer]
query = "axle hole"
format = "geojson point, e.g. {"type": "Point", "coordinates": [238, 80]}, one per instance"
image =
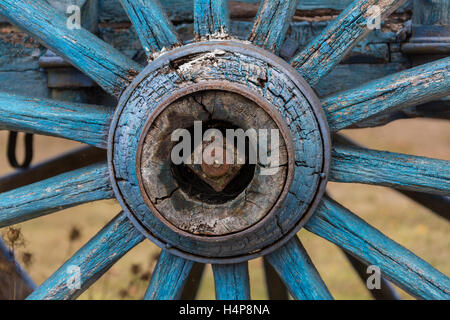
{"type": "Point", "coordinates": [195, 187]}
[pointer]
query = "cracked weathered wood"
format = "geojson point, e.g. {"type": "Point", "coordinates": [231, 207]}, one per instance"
{"type": "Point", "coordinates": [272, 22]}
{"type": "Point", "coordinates": [338, 225]}
{"type": "Point", "coordinates": [108, 67]}
{"type": "Point", "coordinates": [386, 290]}
{"type": "Point", "coordinates": [298, 272]}
{"type": "Point", "coordinates": [58, 193]}
{"type": "Point", "coordinates": [400, 171]}
{"type": "Point", "coordinates": [331, 46]}
{"type": "Point", "coordinates": [431, 12]}
{"type": "Point", "coordinates": [181, 10]}
{"type": "Point", "coordinates": [231, 281]}
{"type": "Point", "coordinates": [95, 258]}
{"type": "Point", "coordinates": [380, 97]}
{"type": "Point", "coordinates": [169, 278]}
{"type": "Point", "coordinates": [152, 25]}
{"type": "Point", "coordinates": [260, 78]}
{"type": "Point", "coordinates": [211, 18]}
{"type": "Point", "coordinates": [79, 122]}
{"type": "Point", "coordinates": [193, 213]}
{"type": "Point", "coordinates": [18, 59]}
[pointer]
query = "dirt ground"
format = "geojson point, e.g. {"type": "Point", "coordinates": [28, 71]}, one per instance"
{"type": "Point", "coordinates": [50, 240]}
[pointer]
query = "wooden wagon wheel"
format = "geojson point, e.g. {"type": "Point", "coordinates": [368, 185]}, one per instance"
{"type": "Point", "coordinates": [226, 83]}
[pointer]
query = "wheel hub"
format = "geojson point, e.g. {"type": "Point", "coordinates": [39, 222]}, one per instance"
{"type": "Point", "coordinates": [219, 151]}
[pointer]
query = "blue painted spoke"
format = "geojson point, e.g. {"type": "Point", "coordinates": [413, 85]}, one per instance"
{"type": "Point", "coordinates": [104, 64]}
{"type": "Point", "coordinates": [338, 225]}
{"type": "Point", "coordinates": [95, 258]}
{"type": "Point", "coordinates": [84, 123]}
{"type": "Point", "coordinates": [232, 281]}
{"type": "Point", "coordinates": [298, 272]}
{"type": "Point", "coordinates": [400, 171]}
{"type": "Point", "coordinates": [152, 24]}
{"type": "Point", "coordinates": [211, 18]}
{"type": "Point", "coordinates": [55, 194]}
{"type": "Point", "coordinates": [169, 277]}
{"type": "Point", "coordinates": [272, 22]}
{"type": "Point", "coordinates": [411, 87]}
{"type": "Point", "coordinates": [331, 46]}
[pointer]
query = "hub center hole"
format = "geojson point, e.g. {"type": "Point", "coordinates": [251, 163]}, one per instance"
{"type": "Point", "coordinates": [214, 182]}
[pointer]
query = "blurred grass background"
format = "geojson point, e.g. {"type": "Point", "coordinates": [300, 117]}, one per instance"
{"type": "Point", "coordinates": [50, 240]}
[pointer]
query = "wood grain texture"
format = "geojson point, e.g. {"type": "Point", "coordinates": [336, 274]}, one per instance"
{"type": "Point", "coordinates": [55, 194]}
{"type": "Point", "coordinates": [18, 60]}
{"type": "Point", "coordinates": [272, 22]}
{"type": "Point", "coordinates": [181, 10]}
{"type": "Point", "coordinates": [152, 25]}
{"type": "Point", "coordinates": [260, 77]}
{"type": "Point", "coordinates": [400, 171]}
{"type": "Point", "coordinates": [211, 18]}
{"type": "Point", "coordinates": [338, 225]}
{"type": "Point", "coordinates": [80, 122]}
{"type": "Point", "coordinates": [404, 89]}
{"type": "Point", "coordinates": [231, 281]}
{"type": "Point", "coordinates": [169, 277]}
{"type": "Point", "coordinates": [431, 12]}
{"type": "Point", "coordinates": [298, 272]}
{"type": "Point", "coordinates": [276, 290]}
{"type": "Point", "coordinates": [331, 46]}
{"type": "Point", "coordinates": [386, 290]}
{"type": "Point", "coordinates": [104, 64]}
{"type": "Point", "coordinates": [193, 282]}
{"type": "Point", "coordinates": [193, 211]}
{"type": "Point", "coordinates": [95, 258]}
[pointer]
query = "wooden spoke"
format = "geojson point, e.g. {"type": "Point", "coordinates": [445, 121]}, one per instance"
{"type": "Point", "coordinates": [211, 18]}
{"type": "Point", "coordinates": [275, 286]}
{"type": "Point", "coordinates": [386, 290]}
{"type": "Point", "coordinates": [400, 171]}
{"type": "Point", "coordinates": [411, 87]}
{"type": "Point", "coordinates": [152, 25]}
{"type": "Point", "coordinates": [55, 194]}
{"type": "Point", "coordinates": [338, 225]}
{"type": "Point", "coordinates": [272, 22]}
{"type": "Point", "coordinates": [22, 285]}
{"type": "Point", "coordinates": [436, 109]}
{"type": "Point", "coordinates": [331, 46]}
{"type": "Point", "coordinates": [72, 160]}
{"type": "Point", "coordinates": [193, 282]}
{"type": "Point", "coordinates": [232, 281]}
{"type": "Point", "coordinates": [436, 203]}
{"type": "Point", "coordinates": [169, 277]}
{"type": "Point", "coordinates": [104, 64]}
{"type": "Point", "coordinates": [84, 123]}
{"type": "Point", "coordinates": [298, 272]}
{"type": "Point", "coordinates": [87, 265]}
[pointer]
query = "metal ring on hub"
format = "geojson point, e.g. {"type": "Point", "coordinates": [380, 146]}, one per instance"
{"type": "Point", "coordinates": [232, 77]}
{"type": "Point", "coordinates": [215, 212]}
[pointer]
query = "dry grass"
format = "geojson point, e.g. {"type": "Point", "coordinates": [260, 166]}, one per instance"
{"type": "Point", "coordinates": [48, 238]}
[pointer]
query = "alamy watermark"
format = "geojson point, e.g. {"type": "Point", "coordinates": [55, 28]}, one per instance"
{"type": "Point", "coordinates": [74, 17]}
{"type": "Point", "coordinates": [237, 147]}
{"type": "Point", "coordinates": [374, 280]}
{"type": "Point", "coordinates": [374, 19]}
{"type": "Point", "coordinates": [73, 281]}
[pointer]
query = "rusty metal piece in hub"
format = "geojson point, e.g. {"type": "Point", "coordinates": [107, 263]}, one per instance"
{"type": "Point", "coordinates": [219, 173]}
